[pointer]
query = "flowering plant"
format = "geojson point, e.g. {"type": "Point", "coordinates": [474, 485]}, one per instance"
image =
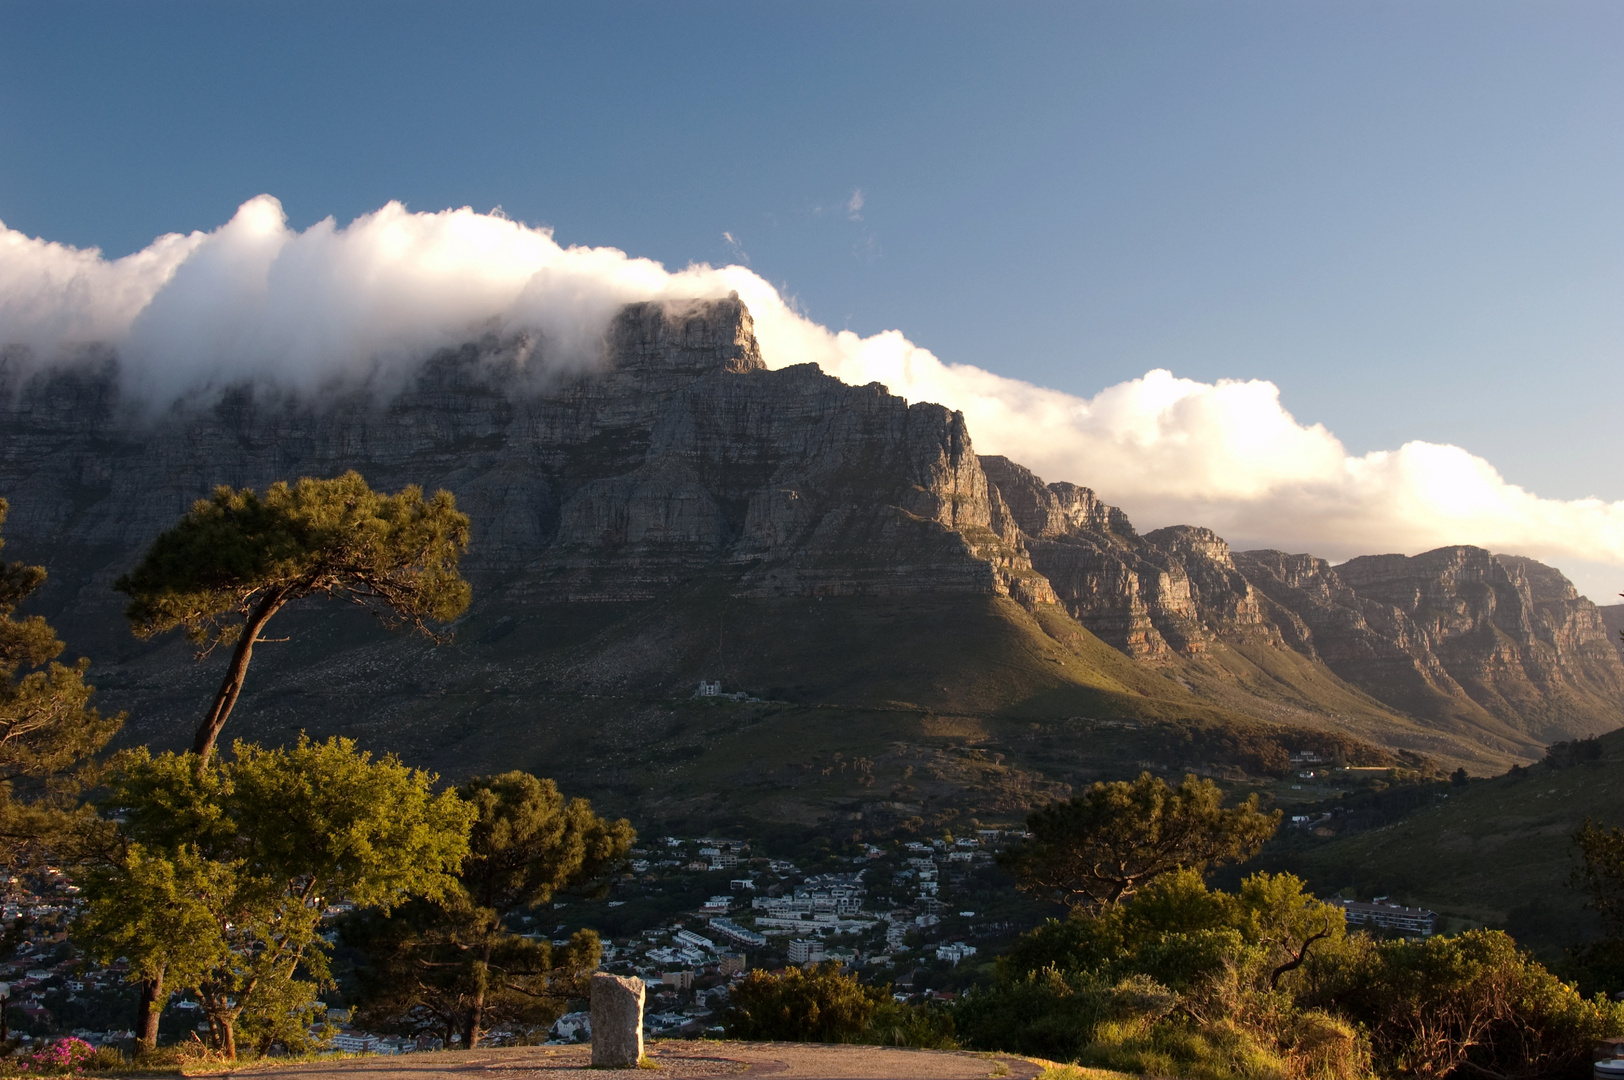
{"type": "Point", "coordinates": [63, 1055]}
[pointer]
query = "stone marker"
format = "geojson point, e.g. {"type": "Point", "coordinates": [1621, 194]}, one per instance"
{"type": "Point", "coordinates": [617, 1021]}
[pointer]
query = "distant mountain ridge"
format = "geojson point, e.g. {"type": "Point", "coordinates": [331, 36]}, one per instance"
{"type": "Point", "coordinates": [687, 513]}
{"type": "Point", "coordinates": [1456, 635]}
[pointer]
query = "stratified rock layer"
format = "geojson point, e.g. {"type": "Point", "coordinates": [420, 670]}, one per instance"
{"type": "Point", "coordinates": [684, 454]}
{"type": "Point", "coordinates": [1499, 643]}
{"type": "Point", "coordinates": [681, 462]}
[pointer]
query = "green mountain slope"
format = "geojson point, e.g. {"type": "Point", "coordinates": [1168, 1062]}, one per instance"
{"type": "Point", "coordinates": [1496, 851]}
{"type": "Point", "coordinates": [924, 708]}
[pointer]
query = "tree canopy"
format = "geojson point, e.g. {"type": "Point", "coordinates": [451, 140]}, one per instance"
{"type": "Point", "coordinates": [48, 729]}
{"type": "Point", "coordinates": [455, 965]}
{"type": "Point", "coordinates": [237, 558]}
{"type": "Point", "coordinates": [221, 877]}
{"type": "Point", "coordinates": [1102, 846]}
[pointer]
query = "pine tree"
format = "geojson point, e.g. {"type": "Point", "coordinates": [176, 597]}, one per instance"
{"type": "Point", "coordinates": [1101, 847]}
{"type": "Point", "coordinates": [456, 966]}
{"type": "Point", "coordinates": [238, 558]}
{"type": "Point", "coordinates": [49, 733]}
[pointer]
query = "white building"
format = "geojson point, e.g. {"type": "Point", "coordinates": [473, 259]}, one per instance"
{"type": "Point", "coordinates": [573, 1026]}
{"type": "Point", "coordinates": [1406, 920]}
{"type": "Point", "coordinates": [804, 951]}
{"type": "Point", "coordinates": [730, 929]}
{"type": "Point", "coordinates": [693, 940]}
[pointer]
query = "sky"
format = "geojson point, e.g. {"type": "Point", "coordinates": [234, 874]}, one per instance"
{"type": "Point", "coordinates": [1400, 224]}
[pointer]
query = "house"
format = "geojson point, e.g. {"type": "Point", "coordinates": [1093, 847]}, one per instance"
{"type": "Point", "coordinates": [1380, 913]}
{"type": "Point", "coordinates": [573, 1027]}
{"type": "Point", "coordinates": [730, 929]}
{"type": "Point", "coordinates": [355, 1042]}
{"type": "Point", "coordinates": [693, 940]}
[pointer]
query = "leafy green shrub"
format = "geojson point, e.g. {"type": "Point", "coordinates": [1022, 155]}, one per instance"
{"type": "Point", "coordinates": [1181, 980]}
{"type": "Point", "coordinates": [929, 1027]}
{"type": "Point", "coordinates": [1058, 1015]}
{"type": "Point", "coordinates": [1473, 1002]}
{"type": "Point", "coordinates": [820, 1005]}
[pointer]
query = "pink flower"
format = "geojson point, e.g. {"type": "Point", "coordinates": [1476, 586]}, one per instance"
{"type": "Point", "coordinates": [69, 1053]}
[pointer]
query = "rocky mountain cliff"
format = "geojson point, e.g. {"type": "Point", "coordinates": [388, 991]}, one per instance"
{"type": "Point", "coordinates": [1457, 636]}
{"type": "Point", "coordinates": [684, 512]}
{"type": "Point", "coordinates": [684, 453]}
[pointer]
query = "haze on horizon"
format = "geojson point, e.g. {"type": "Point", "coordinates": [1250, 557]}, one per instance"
{"type": "Point", "coordinates": [1339, 279]}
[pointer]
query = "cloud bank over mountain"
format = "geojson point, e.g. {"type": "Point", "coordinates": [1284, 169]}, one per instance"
{"type": "Point", "coordinates": [255, 299]}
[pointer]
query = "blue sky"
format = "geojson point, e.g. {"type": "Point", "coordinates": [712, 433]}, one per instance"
{"type": "Point", "coordinates": [1409, 216]}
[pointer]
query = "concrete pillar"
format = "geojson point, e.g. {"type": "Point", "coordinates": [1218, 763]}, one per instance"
{"type": "Point", "coordinates": [617, 1021]}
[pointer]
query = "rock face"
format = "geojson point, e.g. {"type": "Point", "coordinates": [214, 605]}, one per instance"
{"type": "Point", "coordinates": [1500, 642]}
{"type": "Point", "coordinates": [683, 455]}
{"type": "Point", "coordinates": [1151, 596]}
{"type": "Point", "coordinates": [617, 1021]}
{"type": "Point", "coordinates": [1612, 617]}
{"type": "Point", "coordinates": [682, 462]}
{"type": "Point", "coordinates": [1505, 633]}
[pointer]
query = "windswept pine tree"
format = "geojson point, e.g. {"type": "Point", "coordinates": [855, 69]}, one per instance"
{"type": "Point", "coordinates": [237, 558]}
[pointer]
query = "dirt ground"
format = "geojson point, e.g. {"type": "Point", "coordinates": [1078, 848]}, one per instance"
{"type": "Point", "coordinates": [687, 1060]}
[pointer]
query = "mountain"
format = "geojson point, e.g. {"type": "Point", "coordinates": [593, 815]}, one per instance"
{"type": "Point", "coordinates": [1496, 649]}
{"type": "Point", "coordinates": [969, 634]}
{"type": "Point", "coordinates": [1612, 617]}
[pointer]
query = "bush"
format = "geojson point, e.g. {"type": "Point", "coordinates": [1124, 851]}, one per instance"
{"type": "Point", "coordinates": [820, 1005]}
{"type": "Point", "coordinates": [68, 1055]}
{"type": "Point", "coordinates": [1058, 1015]}
{"type": "Point", "coordinates": [827, 1005]}
{"type": "Point", "coordinates": [929, 1027]}
{"type": "Point", "coordinates": [1474, 1001]}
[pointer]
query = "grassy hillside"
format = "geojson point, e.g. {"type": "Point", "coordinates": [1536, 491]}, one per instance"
{"type": "Point", "coordinates": [1262, 678]}
{"type": "Point", "coordinates": [1495, 851]}
{"type": "Point", "coordinates": [879, 712]}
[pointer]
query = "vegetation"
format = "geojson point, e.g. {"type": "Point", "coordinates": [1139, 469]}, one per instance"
{"type": "Point", "coordinates": [49, 733]}
{"type": "Point", "coordinates": [1187, 981]}
{"type": "Point", "coordinates": [1492, 852]}
{"type": "Point", "coordinates": [821, 1005]}
{"type": "Point", "coordinates": [825, 1004]}
{"type": "Point", "coordinates": [1103, 846]}
{"type": "Point", "coordinates": [219, 877]}
{"type": "Point", "coordinates": [1599, 963]}
{"type": "Point", "coordinates": [213, 874]}
{"type": "Point", "coordinates": [237, 559]}
{"type": "Point", "coordinates": [450, 964]}
{"type": "Point", "coordinates": [1472, 1004]}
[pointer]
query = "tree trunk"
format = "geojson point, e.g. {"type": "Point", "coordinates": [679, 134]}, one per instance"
{"type": "Point", "coordinates": [476, 1012]}
{"type": "Point", "coordinates": [228, 1038]}
{"type": "Point", "coordinates": [236, 673]}
{"type": "Point", "coordinates": [148, 1012]}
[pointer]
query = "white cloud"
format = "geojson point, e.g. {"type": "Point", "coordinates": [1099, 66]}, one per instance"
{"type": "Point", "coordinates": [854, 205]}
{"type": "Point", "coordinates": [257, 299]}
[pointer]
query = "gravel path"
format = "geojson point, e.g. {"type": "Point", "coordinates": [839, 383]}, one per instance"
{"type": "Point", "coordinates": [688, 1060]}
